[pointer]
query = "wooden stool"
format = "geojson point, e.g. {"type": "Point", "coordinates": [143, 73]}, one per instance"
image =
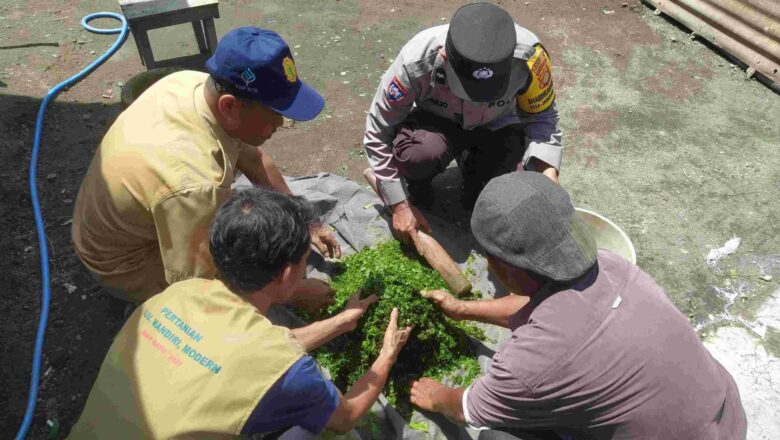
{"type": "Point", "coordinates": [145, 15]}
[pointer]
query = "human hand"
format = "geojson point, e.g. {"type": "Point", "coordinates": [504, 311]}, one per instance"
{"type": "Point", "coordinates": [452, 307]}
{"type": "Point", "coordinates": [395, 339]}
{"type": "Point", "coordinates": [427, 394]}
{"type": "Point", "coordinates": [407, 220]}
{"type": "Point", "coordinates": [355, 309]}
{"type": "Point", "coordinates": [552, 173]}
{"type": "Point", "coordinates": [312, 294]}
{"type": "Point", "coordinates": [546, 169]}
{"type": "Point", "coordinates": [323, 239]}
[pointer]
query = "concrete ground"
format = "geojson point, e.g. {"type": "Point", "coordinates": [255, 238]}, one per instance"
{"type": "Point", "coordinates": [663, 136]}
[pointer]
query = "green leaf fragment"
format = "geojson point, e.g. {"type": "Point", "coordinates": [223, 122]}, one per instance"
{"type": "Point", "coordinates": [419, 426]}
{"type": "Point", "coordinates": [438, 346]}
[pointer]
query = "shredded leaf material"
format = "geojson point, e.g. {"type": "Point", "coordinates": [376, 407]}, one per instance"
{"type": "Point", "coordinates": [438, 346]}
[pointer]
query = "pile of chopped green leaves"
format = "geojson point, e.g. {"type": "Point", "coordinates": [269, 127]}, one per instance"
{"type": "Point", "coordinates": [438, 346]}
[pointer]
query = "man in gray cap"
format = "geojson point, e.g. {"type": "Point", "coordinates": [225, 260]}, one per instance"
{"type": "Point", "coordinates": [479, 91]}
{"type": "Point", "coordinates": [597, 349]}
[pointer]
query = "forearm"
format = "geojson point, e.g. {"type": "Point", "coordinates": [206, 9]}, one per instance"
{"type": "Point", "coordinates": [543, 167]}
{"type": "Point", "coordinates": [544, 139]}
{"type": "Point", "coordinates": [546, 148]}
{"type": "Point", "coordinates": [494, 311]}
{"type": "Point", "coordinates": [361, 396]}
{"type": "Point", "coordinates": [451, 405]}
{"type": "Point", "coordinates": [318, 333]}
{"type": "Point", "coordinates": [366, 390]}
{"type": "Point", "coordinates": [387, 179]}
{"type": "Point", "coordinates": [260, 168]}
{"type": "Point", "coordinates": [382, 121]}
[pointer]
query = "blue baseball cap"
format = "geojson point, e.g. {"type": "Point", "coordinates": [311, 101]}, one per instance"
{"type": "Point", "coordinates": [257, 64]}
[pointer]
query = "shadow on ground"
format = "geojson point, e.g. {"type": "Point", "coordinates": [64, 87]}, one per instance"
{"type": "Point", "coordinates": [83, 319]}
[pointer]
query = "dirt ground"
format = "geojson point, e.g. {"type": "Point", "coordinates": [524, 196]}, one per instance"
{"type": "Point", "coordinates": [662, 135]}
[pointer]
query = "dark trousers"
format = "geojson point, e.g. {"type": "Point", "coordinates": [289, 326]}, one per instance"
{"type": "Point", "coordinates": [425, 145]}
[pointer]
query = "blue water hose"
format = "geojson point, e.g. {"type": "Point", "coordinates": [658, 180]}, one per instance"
{"type": "Point", "coordinates": [39, 226]}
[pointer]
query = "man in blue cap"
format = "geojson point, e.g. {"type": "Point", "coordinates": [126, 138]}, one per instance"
{"type": "Point", "coordinates": [168, 162]}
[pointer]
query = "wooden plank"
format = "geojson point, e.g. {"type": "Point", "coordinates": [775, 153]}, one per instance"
{"type": "Point", "coordinates": [141, 8]}
{"type": "Point", "coordinates": [176, 17]}
{"type": "Point", "coordinates": [163, 13]}
{"type": "Point", "coordinates": [190, 62]}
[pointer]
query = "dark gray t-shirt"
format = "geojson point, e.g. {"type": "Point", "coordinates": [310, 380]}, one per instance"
{"type": "Point", "coordinates": [610, 357]}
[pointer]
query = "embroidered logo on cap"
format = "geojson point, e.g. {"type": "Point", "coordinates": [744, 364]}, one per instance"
{"type": "Point", "coordinates": [289, 69]}
{"type": "Point", "coordinates": [248, 76]}
{"type": "Point", "coordinates": [395, 91]}
{"type": "Point", "coordinates": [483, 73]}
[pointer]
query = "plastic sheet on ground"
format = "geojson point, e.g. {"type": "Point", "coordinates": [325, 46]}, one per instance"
{"type": "Point", "coordinates": [360, 220]}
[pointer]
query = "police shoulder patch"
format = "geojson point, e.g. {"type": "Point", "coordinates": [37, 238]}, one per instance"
{"type": "Point", "coordinates": [540, 93]}
{"type": "Point", "coordinates": [395, 90]}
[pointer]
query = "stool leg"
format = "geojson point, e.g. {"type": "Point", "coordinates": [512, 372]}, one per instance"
{"type": "Point", "coordinates": [200, 36]}
{"type": "Point", "coordinates": [145, 49]}
{"type": "Point", "coordinates": [211, 34]}
{"type": "Point", "coordinates": [137, 43]}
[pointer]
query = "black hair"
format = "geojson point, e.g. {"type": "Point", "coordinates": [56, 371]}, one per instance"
{"type": "Point", "coordinates": [222, 87]}
{"type": "Point", "coordinates": [256, 234]}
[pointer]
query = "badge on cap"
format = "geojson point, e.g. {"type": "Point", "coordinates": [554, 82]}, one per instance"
{"type": "Point", "coordinates": [483, 73]}
{"type": "Point", "coordinates": [289, 69]}
{"type": "Point", "coordinates": [395, 91]}
{"type": "Point", "coordinates": [248, 76]}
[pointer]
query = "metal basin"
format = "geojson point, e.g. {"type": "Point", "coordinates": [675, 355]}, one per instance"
{"type": "Point", "coordinates": [608, 235]}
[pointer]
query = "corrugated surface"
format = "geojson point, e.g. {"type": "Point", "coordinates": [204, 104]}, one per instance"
{"type": "Point", "coordinates": [747, 29]}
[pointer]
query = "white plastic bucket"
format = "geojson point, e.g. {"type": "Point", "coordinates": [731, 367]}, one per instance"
{"type": "Point", "coordinates": [608, 235]}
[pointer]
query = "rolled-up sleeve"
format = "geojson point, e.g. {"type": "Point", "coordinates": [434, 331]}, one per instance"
{"type": "Point", "coordinates": [182, 220]}
{"type": "Point", "coordinates": [543, 136]}
{"type": "Point", "coordinates": [467, 416]}
{"type": "Point", "coordinates": [392, 103]}
{"type": "Point", "coordinates": [301, 397]}
{"type": "Point", "coordinates": [501, 399]}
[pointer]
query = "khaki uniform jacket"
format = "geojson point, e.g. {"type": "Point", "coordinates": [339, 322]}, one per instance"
{"type": "Point", "coordinates": [192, 362]}
{"type": "Point", "coordinates": [144, 208]}
{"type": "Point", "coordinates": [416, 81]}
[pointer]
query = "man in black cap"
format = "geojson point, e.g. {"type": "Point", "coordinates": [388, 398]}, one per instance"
{"type": "Point", "coordinates": [597, 349]}
{"type": "Point", "coordinates": [479, 91]}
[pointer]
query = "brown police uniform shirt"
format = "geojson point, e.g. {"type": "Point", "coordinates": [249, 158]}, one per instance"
{"type": "Point", "coordinates": [609, 358]}
{"type": "Point", "coordinates": [145, 205]}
